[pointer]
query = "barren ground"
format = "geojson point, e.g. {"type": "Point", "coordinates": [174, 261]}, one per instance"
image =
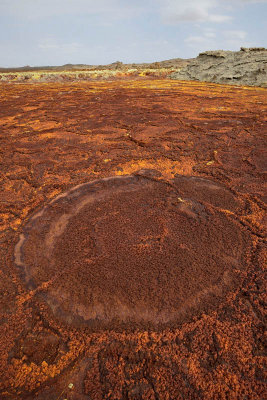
{"type": "Point", "coordinates": [198, 146]}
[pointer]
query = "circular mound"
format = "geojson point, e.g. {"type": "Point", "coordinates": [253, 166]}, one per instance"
{"type": "Point", "coordinates": [130, 249]}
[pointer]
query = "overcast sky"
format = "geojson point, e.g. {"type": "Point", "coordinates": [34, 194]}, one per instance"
{"type": "Point", "coordinates": [56, 32]}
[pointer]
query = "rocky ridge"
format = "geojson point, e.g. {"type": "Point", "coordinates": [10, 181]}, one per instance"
{"type": "Point", "coordinates": [117, 65]}
{"type": "Point", "coordinates": [245, 67]}
{"type": "Point", "coordinates": [83, 72]}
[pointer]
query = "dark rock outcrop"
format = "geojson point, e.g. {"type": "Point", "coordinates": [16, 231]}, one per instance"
{"type": "Point", "coordinates": [245, 67]}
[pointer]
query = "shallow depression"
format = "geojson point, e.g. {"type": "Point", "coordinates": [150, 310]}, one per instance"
{"type": "Point", "coordinates": [133, 249]}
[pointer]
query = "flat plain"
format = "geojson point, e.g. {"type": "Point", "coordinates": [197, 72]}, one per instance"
{"type": "Point", "coordinates": [201, 144]}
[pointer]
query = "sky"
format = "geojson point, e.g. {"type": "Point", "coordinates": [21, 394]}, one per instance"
{"type": "Point", "coordinates": [57, 32]}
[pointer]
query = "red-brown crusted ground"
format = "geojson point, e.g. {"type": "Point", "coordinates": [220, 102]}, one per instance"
{"type": "Point", "coordinates": [57, 136]}
{"type": "Point", "coordinates": [131, 250]}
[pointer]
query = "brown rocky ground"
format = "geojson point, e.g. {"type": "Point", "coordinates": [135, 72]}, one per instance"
{"type": "Point", "coordinates": [179, 312]}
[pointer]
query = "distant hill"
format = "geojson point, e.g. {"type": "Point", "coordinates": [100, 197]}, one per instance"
{"type": "Point", "coordinates": [173, 63]}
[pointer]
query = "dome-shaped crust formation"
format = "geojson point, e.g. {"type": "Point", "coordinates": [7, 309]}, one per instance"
{"type": "Point", "coordinates": [133, 250]}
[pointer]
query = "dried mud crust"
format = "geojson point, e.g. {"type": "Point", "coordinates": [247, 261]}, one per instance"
{"type": "Point", "coordinates": [57, 136]}
{"type": "Point", "coordinates": [130, 250]}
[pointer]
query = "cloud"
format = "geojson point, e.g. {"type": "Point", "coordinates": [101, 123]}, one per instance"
{"type": "Point", "coordinates": [234, 39]}
{"type": "Point", "coordinates": [171, 11]}
{"type": "Point", "coordinates": [235, 35]}
{"type": "Point", "coordinates": [210, 39]}
{"type": "Point", "coordinates": [50, 44]}
{"type": "Point", "coordinates": [174, 11]}
{"type": "Point", "coordinates": [247, 1]}
{"type": "Point", "coordinates": [195, 39]}
{"type": "Point", "coordinates": [196, 44]}
{"type": "Point", "coordinates": [33, 9]}
{"type": "Point", "coordinates": [210, 34]}
{"type": "Point", "coordinates": [102, 31]}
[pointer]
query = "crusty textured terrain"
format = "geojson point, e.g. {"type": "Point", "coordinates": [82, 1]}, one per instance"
{"type": "Point", "coordinates": [133, 250]}
{"type": "Point", "coordinates": [244, 67]}
{"type": "Point", "coordinates": [193, 156]}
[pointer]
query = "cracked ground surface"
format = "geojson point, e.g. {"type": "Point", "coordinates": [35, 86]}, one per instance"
{"type": "Point", "coordinates": [204, 140]}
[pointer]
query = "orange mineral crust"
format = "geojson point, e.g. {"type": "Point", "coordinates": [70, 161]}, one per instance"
{"type": "Point", "coordinates": [132, 240]}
